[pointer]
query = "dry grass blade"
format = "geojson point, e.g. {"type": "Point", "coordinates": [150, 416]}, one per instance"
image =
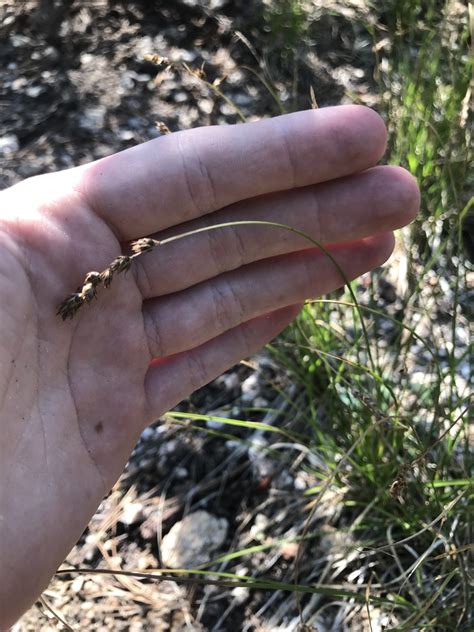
{"type": "Point", "coordinates": [55, 614]}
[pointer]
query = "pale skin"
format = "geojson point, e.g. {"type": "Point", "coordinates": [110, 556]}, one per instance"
{"type": "Point", "coordinates": [75, 395]}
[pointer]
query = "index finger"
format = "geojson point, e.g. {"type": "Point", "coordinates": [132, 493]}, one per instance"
{"type": "Point", "coordinates": [187, 174]}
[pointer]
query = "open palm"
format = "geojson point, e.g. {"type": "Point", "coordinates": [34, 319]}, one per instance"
{"type": "Point", "coordinates": [75, 395]}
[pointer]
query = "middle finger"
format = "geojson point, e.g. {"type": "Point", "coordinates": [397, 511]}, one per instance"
{"type": "Point", "coordinates": [380, 199]}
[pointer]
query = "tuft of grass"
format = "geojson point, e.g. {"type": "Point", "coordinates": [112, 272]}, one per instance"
{"type": "Point", "coordinates": [396, 412]}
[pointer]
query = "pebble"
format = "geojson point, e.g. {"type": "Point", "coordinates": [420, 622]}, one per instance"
{"type": "Point", "coordinates": [250, 388]}
{"type": "Point", "coordinates": [230, 381]}
{"type": "Point", "coordinates": [131, 514]}
{"type": "Point", "coordinates": [9, 144]}
{"type": "Point", "coordinates": [180, 97]}
{"type": "Point", "coordinates": [242, 100]}
{"type": "Point", "coordinates": [260, 402]}
{"type": "Point", "coordinates": [93, 118]}
{"type": "Point", "coordinates": [240, 594]}
{"type": "Point", "coordinates": [192, 541]}
{"type": "Point", "coordinates": [148, 433]}
{"type": "Point", "coordinates": [257, 530]}
{"type": "Point", "coordinates": [181, 473]}
{"type": "Point", "coordinates": [299, 483]}
{"type": "Point", "coordinates": [77, 584]}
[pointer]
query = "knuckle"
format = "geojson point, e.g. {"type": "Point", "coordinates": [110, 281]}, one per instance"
{"type": "Point", "coordinates": [142, 278]}
{"type": "Point", "coordinates": [197, 177]}
{"type": "Point", "coordinates": [198, 371]}
{"type": "Point", "coordinates": [152, 333]}
{"type": "Point", "coordinates": [316, 219]}
{"type": "Point", "coordinates": [227, 304]}
{"type": "Point", "coordinates": [226, 249]}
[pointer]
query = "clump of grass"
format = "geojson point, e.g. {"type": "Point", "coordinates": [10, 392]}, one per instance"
{"type": "Point", "coordinates": [395, 412]}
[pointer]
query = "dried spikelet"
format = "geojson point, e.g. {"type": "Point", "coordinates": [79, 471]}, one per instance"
{"type": "Point", "coordinates": [314, 103]}
{"type": "Point", "coordinates": [162, 127]}
{"type": "Point", "coordinates": [198, 72]}
{"type": "Point", "coordinates": [93, 277]}
{"type": "Point", "coordinates": [218, 80]}
{"type": "Point", "coordinates": [144, 245]}
{"type": "Point", "coordinates": [120, 264]}
{"type": "Point", "coordinates": [157, 59]}
{"type": "Point", "coordinates": [398, 487]}
{"type": "Point", "coordinates": [88, 292]}
{"type": "Point", "coordinates": [70, 305]}
{"type": "Point", "coordinates": [106, 277]}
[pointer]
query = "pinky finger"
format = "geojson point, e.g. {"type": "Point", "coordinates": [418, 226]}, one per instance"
{"type": "Point", "coordinates": [171, 379]}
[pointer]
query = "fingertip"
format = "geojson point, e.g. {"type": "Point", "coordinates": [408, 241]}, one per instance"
{"type": "Point", "coordinates": [409, 194]}
{"type": "Point", "coordinates": [358, 132]}
{"type": "Point", "coordinates": [382, 246]}
{"type": "Point", "coordinates": [371, 129]}
{"type": "Point", "coordinates": [288, 313]}
{"type": "Point", "coordinates": [376, 124]}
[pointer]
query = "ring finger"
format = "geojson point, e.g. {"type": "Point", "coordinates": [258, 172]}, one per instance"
{"type": "Point", "coordinates": [187, 319]}
{"type": "Point", "coordinates": [380, 199]}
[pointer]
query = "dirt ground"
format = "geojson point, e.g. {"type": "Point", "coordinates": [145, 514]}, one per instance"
{"type": "Point", "coordinates": [75, 87]}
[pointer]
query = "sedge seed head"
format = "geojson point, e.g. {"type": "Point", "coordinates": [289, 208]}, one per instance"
{"type": "Point", "coordinates": [70, 305]}
{"type": "Point", "coordinates": [92, 277]}
{"type": "Point", "coordinates": [88, 292]}
{"type": "Point", "coordinates": [106, 277]}
{"type": "Point", "coordinates": [144, 245]}
{"type": "Point", "coordinates": [120, 264]}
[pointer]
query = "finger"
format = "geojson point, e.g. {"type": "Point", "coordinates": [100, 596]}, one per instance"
{"type": "Point", "coordinates": [178, 322]}
{"type": "Point", "coordinates": [171, 379]}
{"type": "Point", "coordinates": [377, 200]}
{"type": "Point", "coordinates": [178, 177]}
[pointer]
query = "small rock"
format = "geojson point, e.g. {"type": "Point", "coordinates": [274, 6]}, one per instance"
{"type": "Point", "coordinates": [262, 466]}
{"type": "Point", "coordinates": [299, 483]}
{"type": "Point", "coordinates": [206, 105]}
{"type": "Point", "coordinates": [9, 144]}
{"type": "Point", "coordinates": [126, 134]}
{"type": "Point", "coordinates": [19, 84]}
{"type": "Point", "coordinates": [231, 381]}
{"type": "Point", "coordinates": [289, 550]}
{"type": "Point", "coordinates": [227, 110]}
{"type": "Point", "coordinates": [260, 402]}
{"type": "Point", "coordinates": [192, 540]}
{"type": "Point", "coordinates": [180, 97]}
{"type": "Point", "coordinates": [240, 594]}
{"type": "Point", "coordinates": [93, 118]}
{"type": "Point", "coordinates": [250, 388]}
{"type": "Point", "coordinates": [242, 100]}
{"type": "Point", "coordinates": [168, 447]}
{"type": "Point", "coordinates": [181, 473]}
{"type": "Point", "coordinates": [33, 91]}
{"type": "Point", "coordinates": [257, 530]}
{"type": "Point", "coordinates": [77, 585]}
{"type": "Point", "coordinates": [148, 433]}
{"type": "Point", "coordinates": [131, 514]}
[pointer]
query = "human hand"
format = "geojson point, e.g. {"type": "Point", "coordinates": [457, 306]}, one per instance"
{"type": "Point", "coordinates": [75, 395]}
